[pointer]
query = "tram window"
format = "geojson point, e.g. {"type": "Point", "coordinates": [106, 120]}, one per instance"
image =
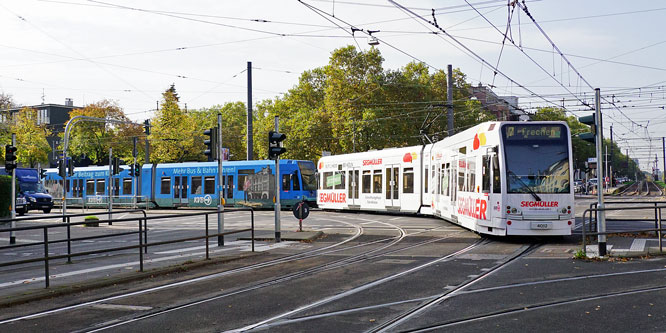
{"type": "Point", "coordinates": [67, 186]}
{"type": "Point", "coordinates": [445, 179]}
{"type": "Point", "coordinates": [485, 175]}
{"type": "Point", "coordinates": [101, 184]}
{"type": "Point", "coordinates": [90, 187]}
{"type": "Point", "coordinates": [325, 185]}
{"type": "Point", "coordinates": [341, 184]}
{"type": "Point", "coordinates": [442, 179]}
{"type": "Point", "coordinates": [209, 185]}
{"type": "Point", "coordinates": [286, 182]}
{"type": "Point", "coordinates": [408, 180]}
{"type": "Point", "coordinates": [377, 181]}
{"type": "Point", "coordinates": [116, 186]}
{"type": "Point", "coordinates": [497, 187]}
{"type": "Point", "coordinates": [433, 178]}
{"type": "Point", "coordinates": [196, 185]}
{"type": "Point", "coordinates": [165, 186]}
{"type": "Point", "coordinates": [425, 180]}
{"type": "Point", "coordinates": [461, 175]}
{"type": "Point", "coordinates": [295, 183]}
{"type": "Point", "coordinates": [471, 175]}
{"type": "Point", "coordinates": [127, 185]}
{"type": "Point", "coordinates": [366, 181]}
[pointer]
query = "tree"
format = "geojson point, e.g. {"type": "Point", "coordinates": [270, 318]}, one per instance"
{"type": "Point", "coordinates": [234, 133]}
{"type": "Point", "coordinates": [93, 139]}
{"type": "Point", "coordinates": [6, 102]}
{"type": "Point", "coordinates": [31, 144]}
{"type": "Point", "coordinates": [173, 132]}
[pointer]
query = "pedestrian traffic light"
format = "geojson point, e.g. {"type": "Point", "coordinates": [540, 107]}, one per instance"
{"type": "Point", "coordinates": [116, 166]}
{"type": "Point", "coordinates": [590, 121]}
{"type": "Point", "coordinates": [211, 144]}
{"type": "Point", "coordinates": [275, 148]}
{"type": "Point", "coordinates": [10, 158]}
{"type": "Point", "coordinates": [42, 173]}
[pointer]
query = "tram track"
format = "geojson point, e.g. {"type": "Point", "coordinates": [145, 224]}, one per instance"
{"type": "Point", "coordinates": [392, 241]}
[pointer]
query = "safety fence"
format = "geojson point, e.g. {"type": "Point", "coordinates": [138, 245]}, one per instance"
{"type": "Point", "coordinates": [141, 231]}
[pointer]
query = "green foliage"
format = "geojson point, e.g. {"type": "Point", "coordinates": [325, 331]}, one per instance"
{"type": "Point", "coordinates": [580, 254]}
{"type": "Point", "coordinates": [234, 125]}
{"type": "Point", "coordinates": [173, 134]}
{"type": "Point", "coordinates": [353, 104]}
{"type": "Point", "coordinates": [31, 144]}
{"type": "Point", "coordinates": [93, 139]}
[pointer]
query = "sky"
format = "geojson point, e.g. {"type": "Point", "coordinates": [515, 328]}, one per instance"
{"type": "Point", "coordinates": [132, 51]}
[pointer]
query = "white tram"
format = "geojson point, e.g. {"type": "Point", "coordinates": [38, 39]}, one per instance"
{"type": "Point", "coordinates": [499, 178]}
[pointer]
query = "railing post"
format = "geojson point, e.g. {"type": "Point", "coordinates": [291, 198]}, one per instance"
{"type": "Point", "coordinates": [145, 231]}
{"type": "Point", "coordinates": [140, 246]}
{"type": "Point", "coordinates": [659, 233]}
{"type": "Point", "coordinates": [46, 257]}
{"type": "Point", "coordinates": [656, 225]}
{"type": "Point", "coordinates": [583, 229]}
{"type": "Point", "coordinates": [207, 255]}
{"type": "Point", "coordinates": [69, 241]}
{"type": "Point", "coordinates": [252, 232]}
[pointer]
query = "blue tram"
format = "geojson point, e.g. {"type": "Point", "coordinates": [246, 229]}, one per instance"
{"type": "Point", "coordinates": [190, 184]}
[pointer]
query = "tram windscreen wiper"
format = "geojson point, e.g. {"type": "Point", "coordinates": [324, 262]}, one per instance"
{"type": "Point", "coordinates": [525, 186]}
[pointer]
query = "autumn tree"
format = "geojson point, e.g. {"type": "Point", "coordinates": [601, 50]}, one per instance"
{"type": "Point", "coordinates": [234, 133]}
{"type": "Point", "coordinates": [93, 139]}
{"type": "Point", "coordinates": [173, 134]}
{"type": "Point", "coordinates": [31, 144]}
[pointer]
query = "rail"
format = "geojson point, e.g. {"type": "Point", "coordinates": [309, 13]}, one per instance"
{"type": "Point", "coordinates": [142, 241]}
{"type": "Point", "coordinates": [658, 229]}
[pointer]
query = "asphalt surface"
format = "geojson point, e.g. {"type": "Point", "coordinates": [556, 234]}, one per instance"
{"type": "Point", "coordinates": [363, 272]}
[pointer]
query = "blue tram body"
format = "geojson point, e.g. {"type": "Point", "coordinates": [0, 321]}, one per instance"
{"type": "Point", "coordinates": [191, 184]}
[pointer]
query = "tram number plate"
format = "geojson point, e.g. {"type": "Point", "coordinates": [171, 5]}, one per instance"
{"type": "Point", "coordinates": [542, 225]}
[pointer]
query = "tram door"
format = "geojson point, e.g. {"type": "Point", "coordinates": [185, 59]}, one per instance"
{"type": "Point", "coordinates": [392, 176]}
{"type": "Point", "coordinates": [180, 189]}
{"type": "Point", "coordinates": [352, 186]}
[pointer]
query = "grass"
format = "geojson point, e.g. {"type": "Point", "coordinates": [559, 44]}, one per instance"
{"type": "Point", "coordinates": [660, 183]}
{"type": "Point", "coordinates": [580, 254]}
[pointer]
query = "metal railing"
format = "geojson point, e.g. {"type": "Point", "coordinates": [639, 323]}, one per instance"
{"type": "Point", "coordinates": [652, 205]}
{"type": "Point", "coordinates": [142, 239]}
{"type": "Point", "coordinates": [594, 205]}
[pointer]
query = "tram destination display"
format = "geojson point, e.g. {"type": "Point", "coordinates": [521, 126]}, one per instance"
{"type": "Point", "coordinates": [533, 132]}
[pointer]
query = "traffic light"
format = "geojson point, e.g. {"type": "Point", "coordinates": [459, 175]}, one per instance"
{"type": "Point", "coordinates": [116, 166]}
{"type": "Point", "coordinates": [42, 173]}
{"type": "Point", "coordinates": [211, 144]}
{"type": "Point", "coordinates": [10, 158]}
{"type": "Point", "coordinates": [61, 168]}
{"type": "Point", "coordinates": [275, 144]}
{"type": "Point", "coordinates": [135, 170]}
{"type": "Point", "coordinates": [146, 126]}
{"type": "Point", "coordinates": [590, 121]}
{"type": "Point", "coordinates": [70, 163]}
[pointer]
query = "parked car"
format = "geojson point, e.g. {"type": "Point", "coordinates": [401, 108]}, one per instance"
{"type": "Point", "coordinates": [578, 186]}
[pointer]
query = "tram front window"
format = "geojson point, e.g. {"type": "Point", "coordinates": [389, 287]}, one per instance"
{"type": "Point", "coordinates": [537, 158]}
{"type": "Point", "coordinates": [308, 174]}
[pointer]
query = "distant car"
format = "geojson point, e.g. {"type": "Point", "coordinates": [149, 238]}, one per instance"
{"type": "Point", "coordinates": [578, 186]}
{"type": "Point", "coordinates": [19, 208]}
{"type": "Point", "coordinates": [591, 184]}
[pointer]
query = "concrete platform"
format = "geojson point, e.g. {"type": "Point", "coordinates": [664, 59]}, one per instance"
{"type": "Point", "coordinates": [296, 236]}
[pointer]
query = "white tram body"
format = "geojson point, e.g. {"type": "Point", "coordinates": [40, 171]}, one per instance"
{"type": "Point", "coordinates": [499, 178]}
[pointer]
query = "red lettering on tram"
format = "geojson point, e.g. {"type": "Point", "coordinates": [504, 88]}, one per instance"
{"type": "Point", "coordinates": [374, 161]}
{"type": "Point", "coordinates": [333, 197]}
{"type": "Point", "coordinates": [472, 207]}
{"type": "Point", "coordinates": [539, 204]}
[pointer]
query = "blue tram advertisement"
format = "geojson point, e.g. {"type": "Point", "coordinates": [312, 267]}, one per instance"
{"type": "Point", "coordinates": [190, 184]}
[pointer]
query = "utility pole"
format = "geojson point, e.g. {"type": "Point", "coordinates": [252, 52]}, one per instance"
{"type": "Point", "coordinates": [449, 99]}
{"type": "Point", "coordinates": [12, 236]}
{"type": "Point", "coordinates": [663, 155]}
{"type": "Point", "coordinates": [600, 195]}
{"type": "Point", "coordinates": [277, 189]}
{"type": "Point", "coordinates": [249, 111]}
{"type": "Point", "coordinates": [610, 166]}
{"type": "Point", "coordinates": [110, 184]}
{"type": "Point", "coordinates": [220, 202]}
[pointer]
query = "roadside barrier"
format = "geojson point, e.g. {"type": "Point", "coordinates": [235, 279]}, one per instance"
{"type": "Point", "coordinates": [142, 231]}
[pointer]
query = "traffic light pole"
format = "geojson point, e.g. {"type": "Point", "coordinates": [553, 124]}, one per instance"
{"type": "Point", "coordinates": [277, 189]}
{"type": "Point", "coordinates": [12, 237]}
{"type": "Point", "coordinates": [110, 184]}
{"type": "Point", "coordinates": [220, 191]}
{"type": "Point", "coordinates": [600, 193]}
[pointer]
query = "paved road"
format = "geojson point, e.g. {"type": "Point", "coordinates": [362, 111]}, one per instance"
{"type": "Point", "coordinates": [373, 273]}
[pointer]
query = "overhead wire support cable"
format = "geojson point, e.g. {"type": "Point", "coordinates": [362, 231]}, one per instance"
{"type": "Point", "coordinates": [484, 61]}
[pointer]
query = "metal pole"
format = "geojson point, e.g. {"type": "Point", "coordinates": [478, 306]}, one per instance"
{"type": "Point", "coordinates": [220, 191]}
{"type": "Point", "coordinates": [249, 111]}
{"type": "Point", "coordinates": [600, 195]}
{"type": "Point", "coordinates": [449, 99]}
{"type": "Point", "coordinates": [277, 189]}
{"type": "Point", "coordinates": [46, 257]}
{"type": "Point", "coordinates": [610, 166]}
{"type": "Point", "coordinates": [135, 177]}
{"type": "Point", "coordinates": [110, 184]}
{"type": "Point", "coordinates": [12, 236]}
{"type": "Point", "coordinates": [660, 238]}
{"type": "Point", "coordinates": [146, 159]}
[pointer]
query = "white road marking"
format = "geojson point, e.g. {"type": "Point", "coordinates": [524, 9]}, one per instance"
{"type": "Point", "coordinates": [637, 245]}
{"type": "Point", "coordinates": [121, 307]}
{"type": "Point", "coordinates": [19, 240]}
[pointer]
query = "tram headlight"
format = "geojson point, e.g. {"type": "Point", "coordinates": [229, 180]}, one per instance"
{"type": "Point", "coordinates": [563, 210]}
{"type": "Point", "coordinates": [514, 210]}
